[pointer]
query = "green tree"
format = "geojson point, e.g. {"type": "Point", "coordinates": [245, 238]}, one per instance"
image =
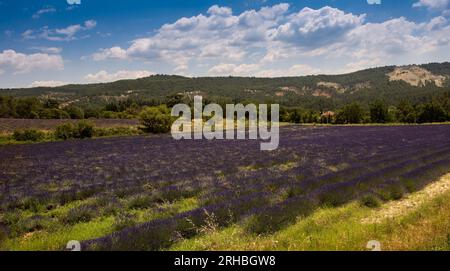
{"type": "Point", "coordinates": [406, 112]}
{"type": "Point", "coordinates": [25, 108]}
{"type": "Point", "coordinates": [156, 119]}
{"type": "Point", "coordinates": [432, 112]}
{"type": "Point", "coordinates": [379, 112]}
{"type": "Point", "coordinates": [75, 112]}
{"type": "Point", "coordinates": [352, 113]}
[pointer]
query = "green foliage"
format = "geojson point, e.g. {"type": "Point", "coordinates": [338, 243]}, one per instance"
{"type": "Point", "coordinates": [370, 201]}
{"type": "Point", "coordinates": [75, 112]}
{"type": "Point", "coordinates": [298, 115]}
{"type": "Point", "coordinates": [81, 130]}
{"type": "Point", "coordinates": [402, 102]}
{"type": "Point", "coordinates": [352, 113]}
{"type": "Point", "coordinates": [116, 131]}
{"type": "Point", "coordinates": [379, 112]}
{"type": "Point", "coordinates": [432, 112]}
{"type": "Point", "coordinates": [394, 192]}
{"type": "Point", "coordinates": [123, 220]}
{"type": "Point", "coordinates": [406, 112]}
{"type": "Point", "coordinates": [156, 119]}
{"type": "Point", "coordinates": [84, 129]}
{"type": "Point", "coordinates": [65, 131]}
{"type": "Point", "coordinates": [28, 135]}
{"type": "Point", "coordinates": [79, 214]}
{"type": "Point", "coordinates": [140, 202]}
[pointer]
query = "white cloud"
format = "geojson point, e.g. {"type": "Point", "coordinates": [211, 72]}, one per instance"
{"type": "Point", "coordinates": [295, 70]}
{"type": "Point", "coordinates": [48, 50]}
{"type": "Point", "coordinates": [89, 24]}
{"type": "Point", "coordinates": [111, 53]}
{"type": "Point", "coordinates": [218, 35]}
{"type": "Point", "coordinates": [312, 28]}
{"type": "Point", "coordinates": [433, 4]}
{"type": "Point", "coordinates": [42, 11]}
{"type": "Point", "coordinates": [74, 2]}
{"type": "Point", "coordinates": [23, 63]}
{"type": "Point", "coordinates": [274, 37]}
{"type": "Point", "coordinates": [232, 69]}
{"type": "Point", "coordinates": [60, 34]}
{"type": "Point", "coordinates": [104, 76]}
{"type": "Point", "coordinates": [47, 84]}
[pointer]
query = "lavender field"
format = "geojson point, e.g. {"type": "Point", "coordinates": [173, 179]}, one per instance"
{"type": "Point", "coordinates": [148, 193]}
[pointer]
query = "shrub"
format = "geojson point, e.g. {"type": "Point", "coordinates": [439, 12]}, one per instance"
{"type": "Point", "coordinates": [394, 192]}
{"type": "Point", "coordinates": [140, 202]}
{"type": "Point", "coordinates": [65, 131]}
{"type": "Point", "coordinates": [79, 214]}
{"type": "Point", "coordinates": [75, 112]}
{"type": "Point", "coordinates": [83, 129]}
{"type": "Point", "coordinates": [124, 220]}
{"type": "Point", "coordinates": [370, 201]}
{"type": "Point", "coordinates": [31, 204]}
{"type": "Point", "coordinates": [34, 223]}
{"type": "Point", "coordinates": [335, 198]}
{"type": "Point", "coordinates": [28, 135]}
{"type": "Point", "coordinates": [156, 119]}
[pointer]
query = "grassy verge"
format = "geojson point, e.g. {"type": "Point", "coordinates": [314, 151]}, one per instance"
{"type": "Point", "coordinates": [426, 227]}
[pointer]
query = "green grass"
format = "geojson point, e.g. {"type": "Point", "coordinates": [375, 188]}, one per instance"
{"type": "Point", "coordinates": [56, 236]}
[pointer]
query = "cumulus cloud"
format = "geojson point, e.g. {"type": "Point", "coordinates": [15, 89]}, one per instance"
{"type": "Point", "coordinates": [22, 63]}
{"type": "Point", "coordinates": [433, 4]}
{"type": "Point", "coordinates": [110, 53]}
{"type": "Point", "coordinates": [312, 28]}
{"type": "Point", "coordinates": [295, 70]}
{"type": "Point", "coordinates": [232, 69]}
{"type": "Point", "coordinates": [47, 84]}
{"type": "Point", "coordinates": [276, 36]}
{"type": "Point", "coordinates": [104, 76]}
{"type": "Point", "coordinates": [59, 34]}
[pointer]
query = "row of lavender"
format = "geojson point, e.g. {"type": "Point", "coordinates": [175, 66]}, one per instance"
{"type": "Point", "coordinates": [233, 179]}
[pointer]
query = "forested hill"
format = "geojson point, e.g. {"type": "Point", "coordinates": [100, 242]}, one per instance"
{"type": "Point", "coordinates": [392, 84]}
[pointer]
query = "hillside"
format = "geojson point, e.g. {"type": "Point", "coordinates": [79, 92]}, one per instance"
{"type": "Point", "coordinates": [392, 84]}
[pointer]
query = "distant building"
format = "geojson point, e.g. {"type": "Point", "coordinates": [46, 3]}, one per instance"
{"type": "Point", "coordinates": [328, 116]}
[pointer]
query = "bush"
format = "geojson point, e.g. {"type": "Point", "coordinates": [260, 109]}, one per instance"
{"type": "Point", "coordinates": [370, 201]}
{"type": "Point", "coordinates": [124, 220]}
{"type": "Point", "coordinates": [140, 202]}
{"type": "Point", "coordinates": [79, 214]}
{"type": "Point", "coordinates": [34, 223]}
{"type": "Point", "coordinates": [75, 112]}
{"type": "Point", "coordinates": [28, 135]}
{"type": "Point", "coordinates": [65, 131]}
{"type": "Point", "coordinates": [156, 119]}
{"type": "Point", "coordinates": [83, 129]}
{"type": "Point", "coordinates": [394, 192]}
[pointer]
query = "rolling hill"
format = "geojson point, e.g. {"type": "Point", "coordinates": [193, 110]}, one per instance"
{"type": "Point", "coordinates": [391, 83]}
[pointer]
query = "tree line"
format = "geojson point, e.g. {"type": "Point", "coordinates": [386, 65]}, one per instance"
{"type": "Point", "coordinates": [378, 111]}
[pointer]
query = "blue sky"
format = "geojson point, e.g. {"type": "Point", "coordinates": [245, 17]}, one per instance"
{"type": "Point", "coordinates": [49, 43]}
